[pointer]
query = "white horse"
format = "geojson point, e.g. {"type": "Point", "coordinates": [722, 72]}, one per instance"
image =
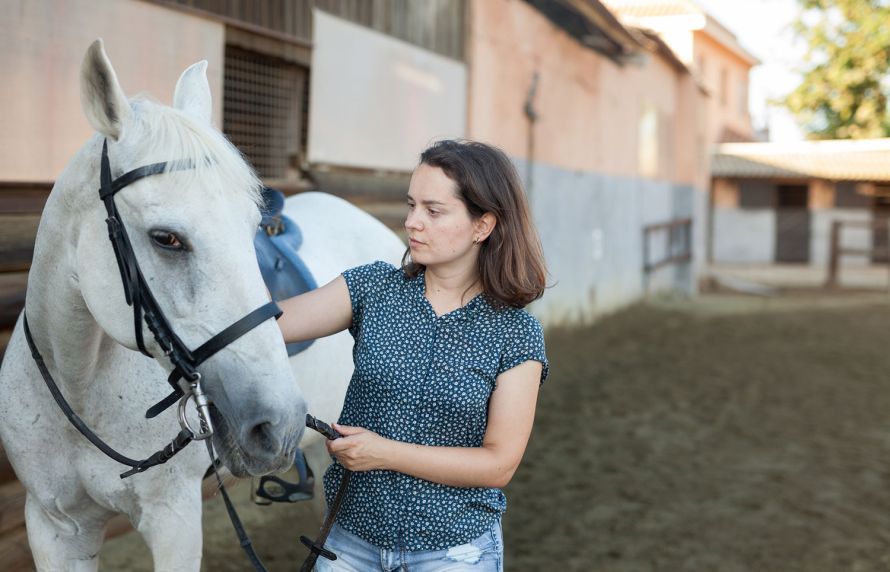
{"type": "Point", "coordinates": [191, 231]}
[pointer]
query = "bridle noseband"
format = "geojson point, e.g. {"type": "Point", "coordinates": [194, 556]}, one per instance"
{"type": "Point", "coordinates": [146, 308]}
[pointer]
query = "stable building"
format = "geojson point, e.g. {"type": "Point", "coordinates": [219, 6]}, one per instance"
{"type": "Point", "coordinates": [777, 203]}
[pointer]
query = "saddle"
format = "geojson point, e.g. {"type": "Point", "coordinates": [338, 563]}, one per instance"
{"type": "Point", "coordinates": [277, 244]}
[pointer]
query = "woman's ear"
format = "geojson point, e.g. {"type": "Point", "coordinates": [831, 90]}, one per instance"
{"type": "Point", "coordinates": [483, 227]}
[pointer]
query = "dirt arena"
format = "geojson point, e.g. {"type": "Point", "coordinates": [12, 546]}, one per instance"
{"type": "Point", "coordinates": [726, 434]}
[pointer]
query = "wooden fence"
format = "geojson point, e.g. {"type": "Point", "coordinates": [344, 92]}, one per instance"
{"type": "Point", "coordinates": [664, 244]}
{"type": "Point", "coordinates": [837, 250]}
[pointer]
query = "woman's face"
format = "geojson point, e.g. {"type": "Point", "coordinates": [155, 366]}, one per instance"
{"type": "Point", "coordinates": [439, 226]}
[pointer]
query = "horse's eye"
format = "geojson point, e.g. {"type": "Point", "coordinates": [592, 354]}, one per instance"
{"type": "Point", "coordinates": [167, 240]}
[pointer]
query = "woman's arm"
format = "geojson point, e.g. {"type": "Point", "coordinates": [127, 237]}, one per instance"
{"type": "Point", "coordinates": [511, 412]}
{"type": "Point", "coordinates": [317, 313]}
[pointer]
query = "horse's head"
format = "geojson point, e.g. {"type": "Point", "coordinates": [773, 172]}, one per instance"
{"type": "Point", "coordinates": [192, 233]}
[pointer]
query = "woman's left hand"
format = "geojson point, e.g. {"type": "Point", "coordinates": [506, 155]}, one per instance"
{"type": "Point", "coordinates": [358, 449]}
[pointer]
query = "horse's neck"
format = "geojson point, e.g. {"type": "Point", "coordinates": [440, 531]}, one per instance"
{"type": "Point", "coordinates": [65, 332]}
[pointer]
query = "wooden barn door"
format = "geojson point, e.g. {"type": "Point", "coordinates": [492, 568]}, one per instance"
{"type": "Point", "coordinates": [792, 224]}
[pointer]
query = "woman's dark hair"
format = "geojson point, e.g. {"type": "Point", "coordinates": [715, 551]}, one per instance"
{"type": "Point", "coordinates": [511, 260]}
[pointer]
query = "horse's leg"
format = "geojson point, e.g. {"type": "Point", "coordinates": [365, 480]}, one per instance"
{"type": "Point", "coordinates": [61, 543]}
{"type": "Point", "coordinates": [172, 529]}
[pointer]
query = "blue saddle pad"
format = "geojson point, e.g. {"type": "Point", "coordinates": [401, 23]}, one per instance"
{"type": "Point", "coordinates": [277, 243]}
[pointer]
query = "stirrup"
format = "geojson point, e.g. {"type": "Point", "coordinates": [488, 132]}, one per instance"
{"type": "Point", "coordinates": [275, 489]}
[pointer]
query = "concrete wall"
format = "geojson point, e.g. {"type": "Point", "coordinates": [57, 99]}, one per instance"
{"type": "Point", "coordinates": [591, 229]}
{"type": "Point", "coordinates": [591, 187]}
{"type": "Point", "coordinates": [748, 235]}
{"type": "Point", "coordinates": [744, 235]}
{"type": "Point", "coordinates": [851, 237]}
{"type": "Point", "coordinates": [41, 48]}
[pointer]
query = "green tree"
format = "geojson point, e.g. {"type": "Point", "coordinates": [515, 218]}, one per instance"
{"type": "Point", "coordinates": [845, 86]}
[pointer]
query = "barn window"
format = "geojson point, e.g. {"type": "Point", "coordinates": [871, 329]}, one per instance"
{"type": "Point", "coordinates": [264, 112]}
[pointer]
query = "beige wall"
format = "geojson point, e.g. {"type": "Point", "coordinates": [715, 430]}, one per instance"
{"type": "Point", "coordinates": [590, 108]}
{"type": "Point", "coordinates": [728, 102]}
{"type": "Point", "coordinates": [726, 194]}
{"type": "Point", "coordinates": [41, 47]}
{"type": "Point", "coordinates": [821, 194]}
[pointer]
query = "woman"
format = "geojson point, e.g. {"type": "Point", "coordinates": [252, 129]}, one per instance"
{"type": "Point", "coordinates": [447, 367]}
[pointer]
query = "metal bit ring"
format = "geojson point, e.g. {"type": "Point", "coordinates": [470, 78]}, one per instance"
{"type": "Point", "coordinates": [202, 403]}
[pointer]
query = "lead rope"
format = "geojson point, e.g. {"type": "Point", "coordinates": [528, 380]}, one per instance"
{"type": "Point", "coordinates": [243, 539]}
{"type": "Point", "coordinates": [317, 547]}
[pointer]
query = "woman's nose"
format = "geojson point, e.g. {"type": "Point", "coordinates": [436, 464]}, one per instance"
{"type": "Point", "coordinates": [412, 221]}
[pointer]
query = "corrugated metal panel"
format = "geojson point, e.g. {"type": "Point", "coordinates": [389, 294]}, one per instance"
{"type": "Point", "coordinates": [436, 25]}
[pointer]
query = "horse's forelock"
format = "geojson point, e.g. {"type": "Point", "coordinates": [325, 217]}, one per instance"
{"type": "Point", "coordinates": [167, 134]}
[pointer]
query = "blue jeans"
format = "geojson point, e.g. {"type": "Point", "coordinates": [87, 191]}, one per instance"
{"type": "Point", "coordinates": [484, 554]}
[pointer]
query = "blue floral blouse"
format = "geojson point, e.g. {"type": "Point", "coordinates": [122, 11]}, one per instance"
{"type": "Point", "coordinates": [424, 379]}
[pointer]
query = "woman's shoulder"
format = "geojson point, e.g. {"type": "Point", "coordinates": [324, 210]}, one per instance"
{"type": "Point", "coordinates": [517, 321]}
{"type": "Point", "coordinates": [374, 271]}
{"type": "Point", "coordinates": [373, 276]}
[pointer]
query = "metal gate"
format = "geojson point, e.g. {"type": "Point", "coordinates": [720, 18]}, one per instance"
{"type": "Point", "coordinates": [264, 112]}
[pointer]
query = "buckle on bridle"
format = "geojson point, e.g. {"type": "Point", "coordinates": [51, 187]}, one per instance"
{"type": "Point", "coordinates": [202, 404]}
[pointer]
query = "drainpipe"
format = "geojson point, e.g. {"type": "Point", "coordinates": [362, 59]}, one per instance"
{"type": "Point", "coordinates": [532, 115]}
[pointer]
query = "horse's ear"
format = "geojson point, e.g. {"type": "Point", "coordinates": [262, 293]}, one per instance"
{"type": "Point", "coordinates": [192, 93]}
{"type": "Point", "coordinates": [101, 96]}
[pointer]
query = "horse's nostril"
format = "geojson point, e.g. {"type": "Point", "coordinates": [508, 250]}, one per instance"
{"type": "Point", "coordinates": [262, 437]}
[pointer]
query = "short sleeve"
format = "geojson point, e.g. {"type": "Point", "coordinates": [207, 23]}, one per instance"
{"type": "Point", "coordinates": [523, 341]}
{"type": "Point", "coordinates": [364, 283]}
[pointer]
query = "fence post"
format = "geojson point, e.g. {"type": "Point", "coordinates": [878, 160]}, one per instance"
{"type": "Point", "coordinates": [833, 254]}
{"type": "Point", "coordinates": [887, 245]}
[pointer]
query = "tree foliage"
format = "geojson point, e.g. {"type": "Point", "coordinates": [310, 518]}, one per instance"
{"type": "Point", "coordinates": [845, 86]}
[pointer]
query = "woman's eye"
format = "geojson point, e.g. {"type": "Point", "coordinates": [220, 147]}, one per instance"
{"type": "Point", "coordinates": [433, 212]}
{"type": "Point", "coordinates": [167, 240]}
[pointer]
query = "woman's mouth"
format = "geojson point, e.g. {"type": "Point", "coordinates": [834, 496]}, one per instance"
{"type": "Point", "coordinates": [414, 243]}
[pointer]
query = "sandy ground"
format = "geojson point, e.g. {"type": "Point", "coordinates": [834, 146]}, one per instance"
{"type": "Point", "coordinates": [726, 434]}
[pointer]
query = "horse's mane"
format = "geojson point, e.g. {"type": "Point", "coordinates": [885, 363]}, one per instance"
{"type": "Point", "coordinates": [171, 135]}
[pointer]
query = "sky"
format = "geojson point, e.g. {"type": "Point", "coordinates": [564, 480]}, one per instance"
{"type": "Point", "coordinates": [764, 29]}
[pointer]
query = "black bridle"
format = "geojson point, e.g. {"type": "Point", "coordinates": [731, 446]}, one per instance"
{"type": "Point", "coordinates": [185, 361]}
{"type": "Point", "coordinates": [145, 307]}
